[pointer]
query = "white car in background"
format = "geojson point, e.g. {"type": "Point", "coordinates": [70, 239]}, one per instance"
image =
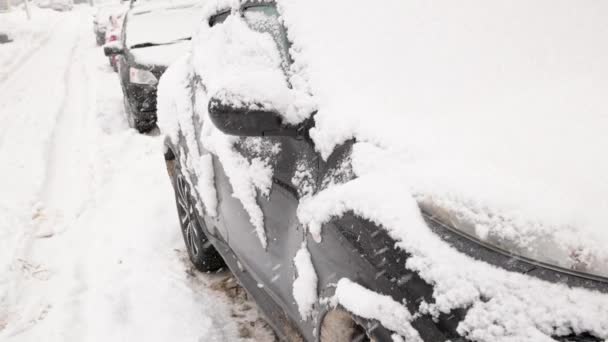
{"type": "Point", "coordinates": [61, 5]}
{"type": "Point", "coordinates": [103, 20]}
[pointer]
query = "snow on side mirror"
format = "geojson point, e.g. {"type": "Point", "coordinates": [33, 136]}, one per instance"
{"type": "Point", "coordinates": [113, 48]}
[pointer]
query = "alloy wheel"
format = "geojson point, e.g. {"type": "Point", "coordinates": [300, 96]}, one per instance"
{"type": "Point", "coordinates": [187, 216]}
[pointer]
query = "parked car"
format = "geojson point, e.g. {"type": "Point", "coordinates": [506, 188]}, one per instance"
{"type": "Point", "coordinates": [114, 33]}
{"type": "Point", "coordinates": [61, 5]}
{"type": "Point", "coordinates": [5, 38]}
{"type": "Point", "coordinates": [246, 172]}
{"type": "Point", "coordinates": [152, 38]}
{"type": "Point", "coordinates": [43, 3]}
{"type": "Point", "coordinates": [105, 19]}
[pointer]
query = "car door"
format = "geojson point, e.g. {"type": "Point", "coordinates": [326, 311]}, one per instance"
{"type": "Point", "coordinates": [294, 164]}
{"type": "Point", "coordinates": [295, 169]}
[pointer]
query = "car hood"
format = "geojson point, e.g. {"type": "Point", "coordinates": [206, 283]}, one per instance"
{"type": "Point", "coordinates": [160, 56]}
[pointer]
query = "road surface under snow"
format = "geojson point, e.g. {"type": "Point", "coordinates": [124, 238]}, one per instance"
{"type": "Point", "coordinates": [90, 248]}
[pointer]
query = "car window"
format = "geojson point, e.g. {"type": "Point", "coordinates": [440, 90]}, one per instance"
{"type": "Point", "coordinates": [219, 18]}
{"type": "Point", "coordinates": [265, 18]}
{"type": "Point", "coordinates": [262, 18]}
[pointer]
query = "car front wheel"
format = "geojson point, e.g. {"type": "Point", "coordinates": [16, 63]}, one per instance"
{"type": "Point", "coordinates": [200, 250]}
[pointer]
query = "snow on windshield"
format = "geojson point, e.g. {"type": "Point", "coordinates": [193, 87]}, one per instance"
{"type": "Point", "coordinates": [161, 25]}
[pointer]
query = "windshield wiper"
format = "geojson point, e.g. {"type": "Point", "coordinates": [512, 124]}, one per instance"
{"type": "Point", "coordinates": [148, 44]}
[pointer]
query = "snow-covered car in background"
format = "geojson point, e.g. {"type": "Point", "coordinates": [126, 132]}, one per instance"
{"type": "Point", "coordinates": [105, 19]}
{"type": "Point", "coordinates": [61, 5]}
{"type": "Point", "coordinates": [133, 3]}
{"type": "Point", "coordinates": [5, 38]}
{"type": "Point", "coordinates": [398, 171]}
{"type": "Point", "coordinates": [43, 3]}
{"type": "Point", "coordinates": [114, 34]}
{"type": "Point", "coordinates": [152, 38]}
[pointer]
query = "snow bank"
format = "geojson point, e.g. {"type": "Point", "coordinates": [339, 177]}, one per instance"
{"type": "Point", "coordinates": [305, 284]}
{"type": "Point", "coordinates": [371, 305]}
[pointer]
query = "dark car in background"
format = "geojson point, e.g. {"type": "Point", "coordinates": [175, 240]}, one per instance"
{"type": "Point", "coordinates": [152, 38]}
{"type": "Point", "coordinates": [352, 247]}
{"type": "Point", "coordinates": [5, 38]}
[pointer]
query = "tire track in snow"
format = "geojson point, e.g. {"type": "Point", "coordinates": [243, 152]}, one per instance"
{"type": "Point", "coordinates": [55, 151]}
{"type": "Point", "coordinates": [7, 75]}
{"type": "Point", "coordinates": [19, 309]}
{"type": "Point", "coordinates": [30, 77]}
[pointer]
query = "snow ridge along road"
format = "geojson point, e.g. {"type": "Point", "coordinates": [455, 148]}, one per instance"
{"type": "Point", "coordinates": [90, 248]}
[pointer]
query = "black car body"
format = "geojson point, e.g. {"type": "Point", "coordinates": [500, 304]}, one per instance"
{"type": "Point", "coordinates": [100, 33]}
{"type": "Point", "coordinates": [141, 63]}
{"type": "Point", "coordinates": [4, 38]}
{"type": "Point", "coordinates": [352, 247]}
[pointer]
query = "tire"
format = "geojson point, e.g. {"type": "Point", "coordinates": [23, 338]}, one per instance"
{"type": "Point", "coordinates": [339, 326]}
{"type": "Point", "coordinates": [143, 127]}
{"type": "Point", "coordinates": [200, 250]}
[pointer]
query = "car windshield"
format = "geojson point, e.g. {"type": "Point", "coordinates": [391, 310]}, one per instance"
{"type": "Point", "coordinates": [265, 18]}
{"type": "Point", "coordinates": [161, 26]}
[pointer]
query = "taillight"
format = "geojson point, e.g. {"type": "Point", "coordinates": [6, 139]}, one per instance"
{"type": "Point", "coordinates": [112, 38]}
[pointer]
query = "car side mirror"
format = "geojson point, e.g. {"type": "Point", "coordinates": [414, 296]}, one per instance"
{"type": "Point", "coordinates": [113, 48]}
{"type": "Point", "coordinates": [252, 122]}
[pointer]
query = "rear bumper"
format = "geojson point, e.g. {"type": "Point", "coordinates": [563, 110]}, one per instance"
{"type": "Point", "coordinates": [142, 103]}
{"type": "Point", "coordinates": [141, 97]}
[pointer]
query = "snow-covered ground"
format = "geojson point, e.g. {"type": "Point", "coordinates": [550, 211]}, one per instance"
{"type": "Point", "coordinates": [90, 248]}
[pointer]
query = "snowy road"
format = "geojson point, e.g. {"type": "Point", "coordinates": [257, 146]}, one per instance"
{"type": "Point", "coordinates": [90, 249]}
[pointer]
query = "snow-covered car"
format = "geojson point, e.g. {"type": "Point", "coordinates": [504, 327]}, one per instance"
{"type": "Point", "coordinates": [103, 20]}
{"type": "Point", "coordinates": [43, 3]}
{"type": "Point", "coordinates": [152, 38]}
{"type": "Point", "coordinates": [398, 171]}
{"type": "Point", "coordinates": [61, 5]}
{"type": "Point", "coordinates": [113, 34]}
{"type": "Point", "coordinates": [133, 3]}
